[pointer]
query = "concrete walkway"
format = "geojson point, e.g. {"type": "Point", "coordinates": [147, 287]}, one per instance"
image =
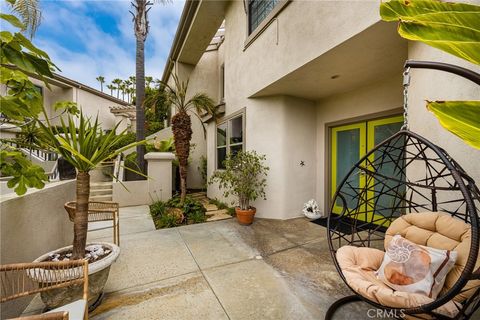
{"type": "Point", "coordinates": [221, 270]}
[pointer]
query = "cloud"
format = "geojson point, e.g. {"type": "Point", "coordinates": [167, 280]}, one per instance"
{"type": "Point", "coordinates": [91, 38]}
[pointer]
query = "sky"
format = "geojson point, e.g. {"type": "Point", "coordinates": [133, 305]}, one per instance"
{"type": "Point", "coordinates": [89, 38]}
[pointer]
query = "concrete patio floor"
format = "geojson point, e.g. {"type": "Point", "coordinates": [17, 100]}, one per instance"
{"type": "Point", "coordinates": [221, 270]}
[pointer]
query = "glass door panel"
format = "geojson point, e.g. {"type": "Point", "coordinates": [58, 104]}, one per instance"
{"type": "Point", "coordinates": [348, 146]}
{"type": "Point", "coordinates": [389, 166]}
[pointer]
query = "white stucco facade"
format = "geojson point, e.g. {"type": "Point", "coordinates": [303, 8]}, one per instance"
{"type": "Point", "coordinates": [316, 63]}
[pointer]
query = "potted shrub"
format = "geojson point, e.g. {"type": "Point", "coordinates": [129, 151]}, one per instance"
{"type": "Point", "coordinates": [84, 146]}
{"type": "Point", "coordinates": [244, 177]}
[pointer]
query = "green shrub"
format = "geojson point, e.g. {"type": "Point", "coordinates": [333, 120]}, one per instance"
{"type": "Point", "coordinates": [203, 171]}
{"type": "Point", "coordinates": [166, 221]}
{"type": "Point", "coordinates": [231, 211]}
{"type": "Point", "coordinates": [157, 209]}
{"type": "Point", "coordinates": [197, 217]}
{"type": "Point", "coordinates": [175, 202]}
{"type": "Point", "coordinates": [163, 217]}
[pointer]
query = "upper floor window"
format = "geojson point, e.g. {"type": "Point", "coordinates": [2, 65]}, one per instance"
{"type": "Point", "coordinates": [258, 10]}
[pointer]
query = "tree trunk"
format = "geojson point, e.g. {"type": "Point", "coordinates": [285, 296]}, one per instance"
{"type": "Point", "coordinates": [139, 98]}
{"type": "Point", "coordinates": [80, 222]}
{"type": "Point", "coordinates": [182, 134]}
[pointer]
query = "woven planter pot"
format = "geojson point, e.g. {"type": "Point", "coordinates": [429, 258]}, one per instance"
{"type": "Point", "coordinates": [245, 217]}
{"type": "Point", "coordinates": [97, 277]}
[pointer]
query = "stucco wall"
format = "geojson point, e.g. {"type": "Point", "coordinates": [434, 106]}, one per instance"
{"type": "Point", "coordinates": [92, 105]}
{"type": "Point", "coordinates": [436, 85]}
{"type": "Point", "coordinates": [303, 31]}
{"type": "Point", "coordinates": [32, 225]}
{"type": "Point", "coordinates": [282, 128]}
{"type": "Point", "coordinates": [36, 222]}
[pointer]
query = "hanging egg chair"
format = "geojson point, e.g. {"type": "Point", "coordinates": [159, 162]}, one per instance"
{"type": "Point", "coordinates": [407, 186]}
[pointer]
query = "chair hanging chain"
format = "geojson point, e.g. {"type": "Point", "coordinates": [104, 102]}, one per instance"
{"type": "Point", "coordinates": [406, 83]}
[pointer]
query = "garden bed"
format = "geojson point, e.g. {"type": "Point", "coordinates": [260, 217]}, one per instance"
{"type": "Point", "coordinates": [194, 210]}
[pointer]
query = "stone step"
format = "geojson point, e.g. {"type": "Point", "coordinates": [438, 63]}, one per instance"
{"type": "Point", "coordinates": [210, 207]}
{"type": "Point", "coordinates": [98, 192]}
{"type": "Point", "coordinates": [105, 197]}
{"type": "Point", "coordinates": [101, 185]}
{"type": "Point", "coordinates": [218, 215]}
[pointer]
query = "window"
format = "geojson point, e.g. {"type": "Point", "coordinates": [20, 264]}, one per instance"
{"type": "Point", "coordinates": [258, 10]}
{"type": "Point", "coordinates": [230, 139]}
{"type": "Point", "coordinates": [39, 89]}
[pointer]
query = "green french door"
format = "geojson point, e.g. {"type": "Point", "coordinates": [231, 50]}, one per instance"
{"type": "Point", "coordinates": [349, 143]}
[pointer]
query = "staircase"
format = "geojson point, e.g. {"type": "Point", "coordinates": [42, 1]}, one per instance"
{"type": "Point", "coordinates": [101, 182]}
{"type": "Point", "coordinates": [101, 191]}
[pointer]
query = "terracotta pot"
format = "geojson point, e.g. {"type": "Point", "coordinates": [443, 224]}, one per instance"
{"type": "Point", "coordinates": [245, 217]}
{"type": "Point", "coordinates": [97, 277]}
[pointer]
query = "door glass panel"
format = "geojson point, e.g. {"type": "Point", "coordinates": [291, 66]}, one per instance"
{"type": "Point", "coordinates": [387, 186]}
{"type": "Point", "coordinates": [348, 153]}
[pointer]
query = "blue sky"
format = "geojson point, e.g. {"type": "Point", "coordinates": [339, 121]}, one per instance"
{"type": "Point", "coordinates": [88, 38]}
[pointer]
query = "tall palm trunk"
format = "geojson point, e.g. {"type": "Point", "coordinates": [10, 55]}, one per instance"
{"type": "Point", "coordinates": [182, 134]}
{"type": "Point", "coordinates": [80, 225]}
{"type": "Point", "coordinates": [139, 98]}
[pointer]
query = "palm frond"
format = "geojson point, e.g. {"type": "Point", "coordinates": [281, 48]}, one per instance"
{"type": "Point", "coordinates": [30, 14]}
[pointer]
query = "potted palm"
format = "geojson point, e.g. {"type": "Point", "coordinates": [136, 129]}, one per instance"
{"type": "Point", "coordinates": [84, 146]}
{"type": "Point", "coordinates": [244, 176]}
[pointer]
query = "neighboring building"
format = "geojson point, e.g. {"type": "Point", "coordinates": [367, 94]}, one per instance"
{"type": "Point", "coordinates": [310, 84]}
{"type": "Point", "coordinates": [90, 100]}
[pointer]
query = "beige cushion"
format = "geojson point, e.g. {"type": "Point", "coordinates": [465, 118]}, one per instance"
{"type": "Point", "coordinates": [441, 231]}
{"type": "Point", "coordinates": [359, 265]}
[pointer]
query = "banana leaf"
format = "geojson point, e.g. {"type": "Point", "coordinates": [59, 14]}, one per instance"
{"type": "Point", "coordinates": [451, 27]}
{"type": "Point", "coordinates": [461, 118]}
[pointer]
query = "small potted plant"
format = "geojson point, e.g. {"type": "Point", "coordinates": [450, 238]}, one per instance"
{"type": "Point", "coordinates": [244, 177]}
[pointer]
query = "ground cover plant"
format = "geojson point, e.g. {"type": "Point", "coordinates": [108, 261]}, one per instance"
{"type": "Point", "coordinates": [173, 212]}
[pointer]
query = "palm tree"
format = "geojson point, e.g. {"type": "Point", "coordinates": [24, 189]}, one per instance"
{"type": "Point", "coordinates": [140, 26]}
{"type": "Point", "coordinates": [117, 82]}
{"type": "Point", "coordinates": [123, 88]}
{"type": "Point", "coordinates": [148, 81]}
{"type": "Point", "coordinates": [111, 87]}
{"type": "Point", "coordinates": [102, 81]}
{"type": "Point", "coordinates": [181, 122]}
{"type": "Point", "coordinates": [30, 14]}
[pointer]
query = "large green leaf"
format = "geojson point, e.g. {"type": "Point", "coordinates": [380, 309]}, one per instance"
{"type": "Point", "coordinates": [451, 27]}
{"type": "Point", "coordinates": [461, 118]}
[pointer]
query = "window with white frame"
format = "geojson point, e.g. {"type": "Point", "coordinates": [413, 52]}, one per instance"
{"type": "Point", "coordinates": [230, 138]}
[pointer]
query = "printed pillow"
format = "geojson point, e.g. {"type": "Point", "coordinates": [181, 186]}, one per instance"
{"type": "Point", "coordinates": [408, 267]}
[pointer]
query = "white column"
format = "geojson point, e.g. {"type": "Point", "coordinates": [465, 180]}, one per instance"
{"type": "Point", "coordinates": [124, 122]}
{"type": "Point", "coordinates": [160, 175]}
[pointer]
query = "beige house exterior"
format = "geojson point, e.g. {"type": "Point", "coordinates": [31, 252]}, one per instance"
{"type": "Point", "coordinates": [297, 73]}
{"type": "Point", "coordinates": [92, 101]}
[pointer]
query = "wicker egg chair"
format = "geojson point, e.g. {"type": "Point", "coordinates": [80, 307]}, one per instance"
{"type": "Point", "coordinates": [407, 185]}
